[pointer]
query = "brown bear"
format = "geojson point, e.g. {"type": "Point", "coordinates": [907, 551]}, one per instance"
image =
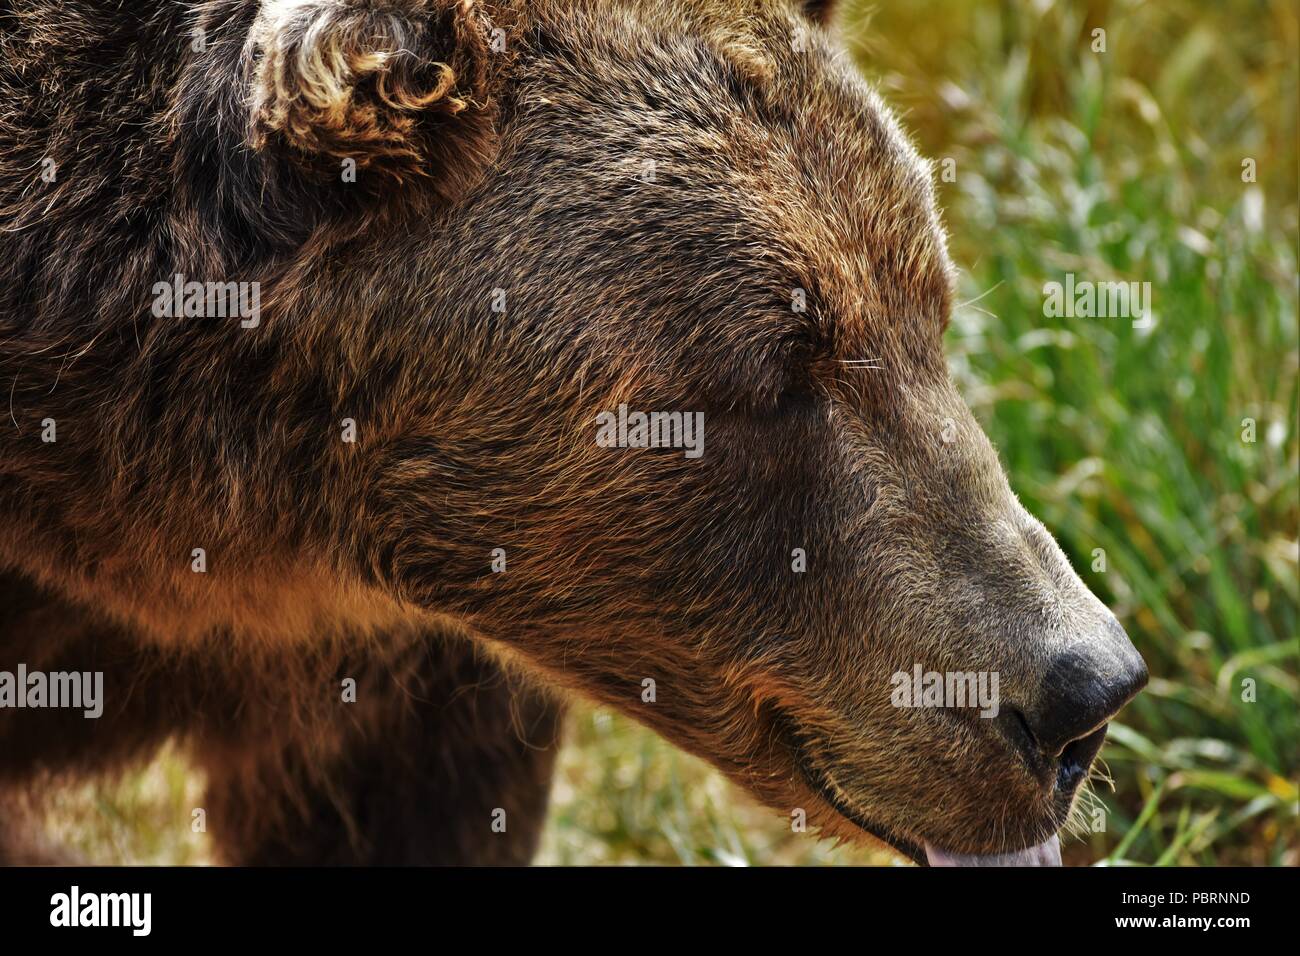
{"type": "Point", "coordinates": [379, 373]}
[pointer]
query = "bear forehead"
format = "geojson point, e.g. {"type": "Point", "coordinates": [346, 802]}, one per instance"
{"type": "Point", "coordinates": [752, 134]}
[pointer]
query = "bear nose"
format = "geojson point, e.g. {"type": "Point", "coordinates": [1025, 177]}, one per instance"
{"type": "Point", "coordinates": [1085, 685]}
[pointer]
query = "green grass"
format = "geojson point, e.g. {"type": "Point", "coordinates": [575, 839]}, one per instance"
{"type": "Point", "coordinates": [1123, 165]}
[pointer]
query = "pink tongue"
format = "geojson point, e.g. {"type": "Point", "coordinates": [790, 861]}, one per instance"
{"type": "Point", "coordinates": [1047, 853]}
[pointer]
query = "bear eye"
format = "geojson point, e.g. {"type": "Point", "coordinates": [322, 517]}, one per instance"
{"type": "Point", "coordinates": [767, 364]}
{"type": "Point", "coordinates": [784, 382]}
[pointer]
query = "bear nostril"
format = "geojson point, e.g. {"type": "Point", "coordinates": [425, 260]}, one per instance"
{"type": "Point", "coordinates": [1070, 763]}
{"type": "Point", "coordinates": [1077, 757]}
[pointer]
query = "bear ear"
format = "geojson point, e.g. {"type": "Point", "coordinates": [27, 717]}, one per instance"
{"type": "Point", "coordinates": [401, 88]}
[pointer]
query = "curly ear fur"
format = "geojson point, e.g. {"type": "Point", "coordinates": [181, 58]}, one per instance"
{"type": "Point", "coordinates": [402, 87]}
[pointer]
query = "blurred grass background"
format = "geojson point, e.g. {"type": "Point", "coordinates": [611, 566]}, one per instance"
{"type": "Point", "coordinates": [1122, 165]}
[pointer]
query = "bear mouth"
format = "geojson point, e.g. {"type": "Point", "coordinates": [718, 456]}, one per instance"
{"type": "Point", "coordinates": [1046, 853]}
{"type": "Point", "coordinates": [816, 780]}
